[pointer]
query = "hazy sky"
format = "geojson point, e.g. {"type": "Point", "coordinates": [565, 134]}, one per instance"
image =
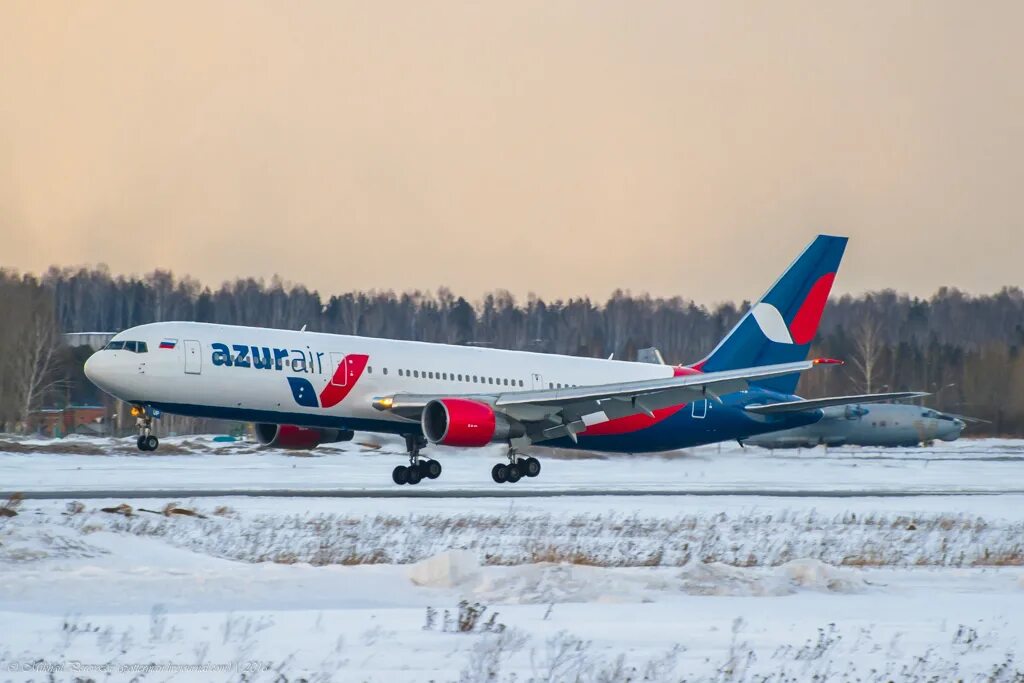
{"type": "Point", "coordinates": [564, 148]}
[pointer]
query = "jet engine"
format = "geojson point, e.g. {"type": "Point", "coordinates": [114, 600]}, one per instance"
{"type": "Point", "coordinates": [298, 438]}
{"type": "Point", "coordinates": [465, 422]}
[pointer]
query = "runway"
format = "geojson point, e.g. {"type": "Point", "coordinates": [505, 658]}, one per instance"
{"type": "Point", "coordinates": [505, 491]}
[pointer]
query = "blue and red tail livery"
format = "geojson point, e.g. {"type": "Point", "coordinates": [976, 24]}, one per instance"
{"type": "Point", "coordinates": [779, 328]}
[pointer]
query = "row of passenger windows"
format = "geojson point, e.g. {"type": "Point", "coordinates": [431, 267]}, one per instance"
{"type": "Point", "coordinates": [133, 346]}
{"type": "Point", "coordinates": [459, 377]}
{"type": "Point", "coordinates": [452, 376]}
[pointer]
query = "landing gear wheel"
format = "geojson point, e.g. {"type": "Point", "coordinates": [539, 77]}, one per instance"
{"type": "Point", "coordinates": [433, 469]}
{"type": "Point", "coordinates": [414, 475]}
{"type": "Point", "coordinates": [144, 422]}
{"type": "Point", "coordinates": [499, 473]}
{"type": "Point", "coordinates": [531, 467]}
{"type": "Point", "coordinates": [513, 474]}
{"type": "Point", "coordinates": [400, 475]}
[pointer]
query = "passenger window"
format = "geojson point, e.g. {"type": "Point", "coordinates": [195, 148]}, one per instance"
{"type": "Point", "coordinates": [520, 382]}
{"type": "Point", "coordinates": [474, 378]}
{"type": "Point", "coordinates": [416, 373]}
{"type": "Point", "coordinates": [460, 378]}
{"type": "Point", "coordinates": [399, 372]}
{"type": "Point", "coordinates": [369, 369]}
{"type": "Point", "coordinates": [385, 371]}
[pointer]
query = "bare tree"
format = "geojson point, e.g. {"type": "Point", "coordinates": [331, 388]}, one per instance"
{"type": "Point", "coordinates": [867, 350]}
{"type": "Point", "coordinates": [33, 360]}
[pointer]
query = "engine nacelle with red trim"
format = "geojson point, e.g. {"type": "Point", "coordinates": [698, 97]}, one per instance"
{"type": "Point", "coordinates": [298, 438]}
{"type": "Point", "coordinates": [468, 423]}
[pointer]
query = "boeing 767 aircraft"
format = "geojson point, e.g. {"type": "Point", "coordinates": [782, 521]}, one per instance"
{"type": "Point", "coordinates": [305, 388]}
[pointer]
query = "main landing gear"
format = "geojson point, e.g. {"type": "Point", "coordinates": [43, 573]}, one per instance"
{"type": "Point", "coordinates": [144, 421]}
{"type": "Point", "coordinates": [516, 469]}
{"type": "Point", "coordinates": [418, 469]}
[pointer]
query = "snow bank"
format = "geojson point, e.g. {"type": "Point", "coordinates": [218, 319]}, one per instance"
{"type": "Point", "coordinates": [445, 570]}
{"type": "Point", "coordinates": [715, 578]}
{"type": "Point", "coordinates": [816, 575]}
{"type": "Point", "coordinates": [546, 582]}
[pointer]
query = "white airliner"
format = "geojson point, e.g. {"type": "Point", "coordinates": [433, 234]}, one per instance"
{"type": "Point", "coordinates": [304, 388]}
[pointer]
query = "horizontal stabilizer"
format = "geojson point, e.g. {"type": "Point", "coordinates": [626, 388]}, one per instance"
{"type": "Point", "coordinates": [650, 355]}
{"type": "Point", "coordinates": [815, 403]}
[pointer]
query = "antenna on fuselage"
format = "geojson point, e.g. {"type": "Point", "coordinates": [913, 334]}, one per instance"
{"type": "Point", "coordinates": [302, 329]}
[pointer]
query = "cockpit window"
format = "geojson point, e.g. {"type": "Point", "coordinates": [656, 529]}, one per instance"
{"type": "Point", "coordinates": [133, 346]}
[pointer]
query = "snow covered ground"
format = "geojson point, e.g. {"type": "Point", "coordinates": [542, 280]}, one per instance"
{"type": "Point", "coordinates": [193, 463]}
{"type": "Point", "coordinates": [603, 588]}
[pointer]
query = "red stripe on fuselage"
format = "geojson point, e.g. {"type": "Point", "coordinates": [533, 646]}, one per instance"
{"type": "Point", "coordinates": [635, 423]}
{"type": "Point", "coordinates": [631, 423]}
{"type": "Point", "coordinates": [805, 322]}
{"type": "Point", "coordinates": [348, 372]}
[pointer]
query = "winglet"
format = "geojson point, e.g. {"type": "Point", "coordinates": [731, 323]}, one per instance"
{"type": "Point", "coordinates": [828, 361]}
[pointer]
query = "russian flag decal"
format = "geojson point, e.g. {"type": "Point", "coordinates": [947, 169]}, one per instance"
{"type": "Point", "coordinates": [168, 343]}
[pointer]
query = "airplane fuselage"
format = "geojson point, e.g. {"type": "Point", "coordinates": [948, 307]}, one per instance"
{"type": "Point", "coordinates": [330, 381]}
{"type": "Point", "coordinates": [882, 425]}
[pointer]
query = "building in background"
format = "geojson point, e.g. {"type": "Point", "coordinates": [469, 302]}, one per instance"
{"type": "Point", "coordinates": [73, 419]}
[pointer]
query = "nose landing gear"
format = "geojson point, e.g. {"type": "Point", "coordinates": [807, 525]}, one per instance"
{"type": "Point", "coordinates": [147, 441]}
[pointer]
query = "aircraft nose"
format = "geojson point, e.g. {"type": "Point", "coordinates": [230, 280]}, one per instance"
{"type": "Point", "coordinates": [97, 368]}
{"type": "Point", "coordinates": [952, 431]}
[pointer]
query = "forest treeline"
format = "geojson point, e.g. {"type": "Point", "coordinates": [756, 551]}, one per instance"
{"type": "Point", "coordinates": [966, 349]}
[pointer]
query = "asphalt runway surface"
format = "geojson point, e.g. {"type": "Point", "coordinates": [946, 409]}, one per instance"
{"type": "Point", "coordinates": [498, 491]}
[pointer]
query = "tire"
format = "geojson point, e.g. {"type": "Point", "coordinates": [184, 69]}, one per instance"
{"type": "Point", "coordinates": [400, 475]}
{"type": "Point", "coordinates": [151, 443]}
{"type": "Point", "coordinates": [514, 474]}
{"type": "Point", "coordinates": [433, 469]}
{"type": "Point", "coordinates": [415, 475]}
{"type": "Point", "coordinates": [499, 473]}
{"type": "Point", "coordinates": [531, 467]}
{"type": "Point", "coordinates": [141, 443]}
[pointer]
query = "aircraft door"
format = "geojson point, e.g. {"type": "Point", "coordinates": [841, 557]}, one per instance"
{"type": "Point", "coordinates": [699, 409]}
{"type": "Point", "coordinates": [193, 357]}
{"type": "Point", "coordinates": [538, 381]}
{"type": "Point", "coordinates": [339, 374]}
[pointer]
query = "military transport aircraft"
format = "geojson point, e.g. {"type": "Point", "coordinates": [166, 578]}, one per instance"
{"type": "Point", "coordinates": [305, 388]}
{"type": "Point", "coordinates": [882, 424]}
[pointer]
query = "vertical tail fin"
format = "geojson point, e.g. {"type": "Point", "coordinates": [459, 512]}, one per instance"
{"type": "Point", "coordinates": [779, 328]}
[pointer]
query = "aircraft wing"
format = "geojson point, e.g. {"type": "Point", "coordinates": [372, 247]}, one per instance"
{"type": "Point", "coordinates": [967, 418]}
{"type": "Point", "coordinates": [814, 403]}
{"type": "Point", "coordinates": [553, 413]}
